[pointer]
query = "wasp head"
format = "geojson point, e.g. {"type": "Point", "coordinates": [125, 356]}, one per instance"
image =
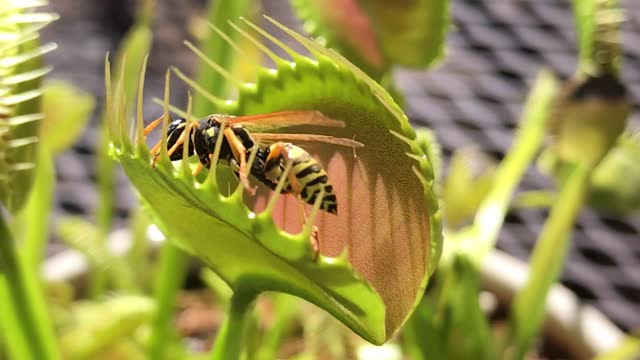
{"type": "Point", "coordinates": [174, 135]}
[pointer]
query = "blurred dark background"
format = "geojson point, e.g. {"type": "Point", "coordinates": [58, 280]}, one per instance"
{"type": "Point", "coordinates": [496, 47]}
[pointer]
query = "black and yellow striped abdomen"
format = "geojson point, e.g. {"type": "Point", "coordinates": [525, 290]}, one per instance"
{"type": "Point", "coordinates": [308, 178]}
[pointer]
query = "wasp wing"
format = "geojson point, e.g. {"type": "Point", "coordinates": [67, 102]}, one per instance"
{"type": "Point", "coordinates": [267, 137]}
{"type": "Point", "coordinates": [287, 118]}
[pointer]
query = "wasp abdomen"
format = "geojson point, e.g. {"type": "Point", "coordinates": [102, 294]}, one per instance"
{"type": "Point", "coordinates": [311, 178]}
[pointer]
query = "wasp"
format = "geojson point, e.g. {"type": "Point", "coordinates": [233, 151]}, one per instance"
{"type": "Point", "coordinates": [306, 180]}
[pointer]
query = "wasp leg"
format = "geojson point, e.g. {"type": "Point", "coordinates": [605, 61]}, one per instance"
{"type": "Point", "coordinates": [201, 166]}
{"type": "Point", "coordinates": [152, 125]}
{"type": "Point", "coordinates": [175, 146]}
{"type": "Point", "coordinates": [147, 130]}
{"type": "Point", "coordinates": [198, 169]}
{"type": "Point", "coordinates": [239, 152]}
{"type": "Point", "coordinates": [278, 151]}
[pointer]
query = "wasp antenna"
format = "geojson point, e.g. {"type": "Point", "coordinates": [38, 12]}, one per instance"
{"type": "Point", "coordinates": [276, 59]}
{"type": "Point", "coordinates": [218, 102]}
{"type": "Point", "coordinates": [212, 64]}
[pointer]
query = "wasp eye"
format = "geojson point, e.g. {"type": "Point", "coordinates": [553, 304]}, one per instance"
{"type": "Point", "coordinates": [174, 131]}
{"type": "Point", "coordinates": [176, 124]}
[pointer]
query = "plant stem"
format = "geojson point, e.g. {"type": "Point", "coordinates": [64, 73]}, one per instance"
{"type": "Point", "coordinates": [231, 337]}
{"type": "Point", "coordinates": [35, 216]}
{"type": "Point", "coordinates": [490, 216]}
{"type": "Point", "coordinates": [24, 314]}
{"type": "Point", "coordinates": [170, 278]}
{"type": "Point", "coordinates": [106, 169]}
{"type": "Point", "coordinates": [547, 260]}
{"type": "Point", "coordinates": [286, 310]}
{"type": "Point", "coordinates": [218, 50]}
{"type": "Point", "coordinates": [534, 199]}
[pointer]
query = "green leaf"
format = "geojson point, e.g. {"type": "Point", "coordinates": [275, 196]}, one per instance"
{"type": "Point", "coordinates": [377, 34]}
{"type": "Point", "coordinates": [388, 223]}
{"type": "Point", "coordinates": [21, 71]}
{"type": "Point", "coordinates": [85, 237]}
{"type": "Point", "coordinates": [610, 191]}
{"type": "Point", "coordinates": [66, 112]}
{"type": "Point", "coordinates": [411, 32]}
{"type": "Point", "coordinates": [470, 178]}
{"type": "Point", "coordinates": [547, 259]}
{"type": "Point", "coordinates": [98, 326]}
{"type": "Point", "coordinates": [343, 25]}
{"type": "Point", "coordinates": [441, 325]}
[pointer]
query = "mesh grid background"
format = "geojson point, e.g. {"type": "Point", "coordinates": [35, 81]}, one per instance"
{"type": "Point", "coordinates": [475, 97]}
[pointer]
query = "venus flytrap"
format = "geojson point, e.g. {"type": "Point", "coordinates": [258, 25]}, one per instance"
{"type": "Point", "coordinates": [25, 320]}
{"type": "Point", "coordinates": [21, 72]}
{"type": "Point", "coordinates": [375, 257]}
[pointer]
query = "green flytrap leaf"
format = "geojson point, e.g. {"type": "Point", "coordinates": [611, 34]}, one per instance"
{"type": "Point", "coordinates": [21, 71]}
{"type": "Point", "coordinates": [377, 34]}
{"type": "Point", "coordinates": [441, 324]}
{"type": "Point", "coordinates": [376, 255]}
{"type": "Point", "coordinates": [471, 175]}
{"type": "Point", "coordinates": [610, 191]}
{"type": "Point", "coordinates": [411, 32]}
{"type": "Point", "coordinates": [66, 112]}
{"type": "Point", "coordinates": [343, 25]}
{"type": "Point", "coordinates": [97, 327]}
